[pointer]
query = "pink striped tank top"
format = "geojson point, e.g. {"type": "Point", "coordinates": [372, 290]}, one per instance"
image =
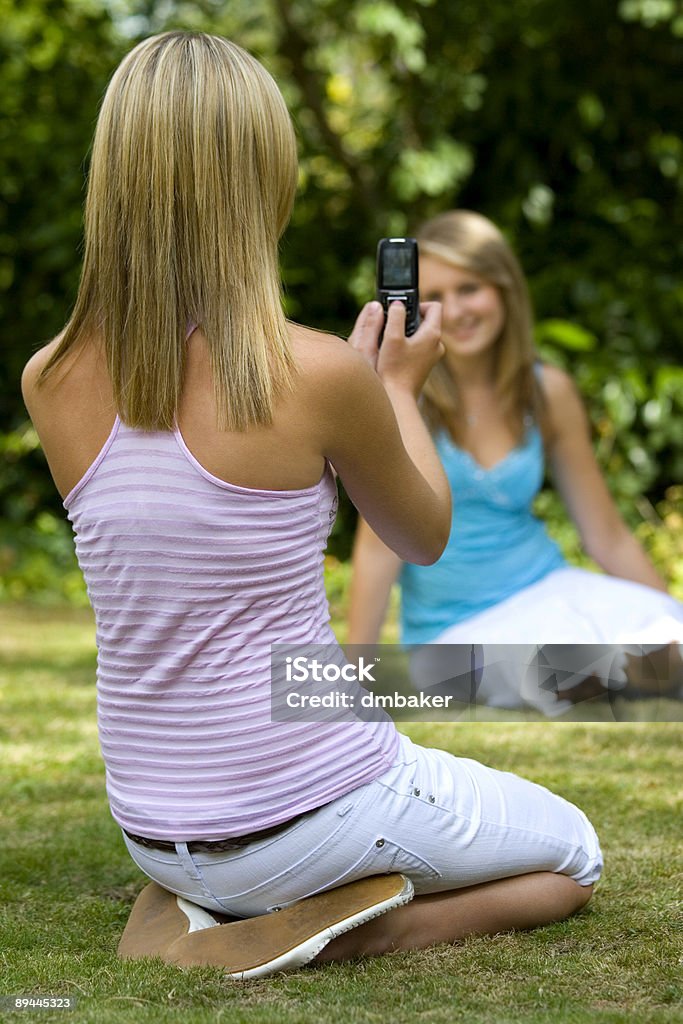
{"type": "Point", "coordinates": [191, 580]}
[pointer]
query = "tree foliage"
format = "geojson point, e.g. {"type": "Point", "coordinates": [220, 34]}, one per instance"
{"type": "Point", "coordinates": [555, 119]}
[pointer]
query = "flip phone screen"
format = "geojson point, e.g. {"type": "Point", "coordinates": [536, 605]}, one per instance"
{"type": "Point", "coordinates": [397, 278]}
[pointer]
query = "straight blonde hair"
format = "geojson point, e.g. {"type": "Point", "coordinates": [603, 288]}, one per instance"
{"type": "Point", "coordinates": [470, 241]}
{"type": "Point", "coordinates": [192, 180]}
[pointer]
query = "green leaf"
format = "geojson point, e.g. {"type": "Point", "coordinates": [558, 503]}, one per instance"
{"type": "Point", "coordinates": [432, 172]}
{"type": "Point", "coordinates": [565, 334]}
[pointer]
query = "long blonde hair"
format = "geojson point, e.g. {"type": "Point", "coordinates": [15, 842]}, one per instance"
{"type": "Point", "coordinates": [468, 240]}
{"type": "Point", "coordinates": [192, 180]}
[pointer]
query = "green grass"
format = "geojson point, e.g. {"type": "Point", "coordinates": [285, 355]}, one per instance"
{"type": "Point", "coordinates": [67, 883]}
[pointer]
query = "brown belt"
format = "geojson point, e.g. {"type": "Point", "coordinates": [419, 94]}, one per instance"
{"type": "Point", "coordinates": [216, 845]}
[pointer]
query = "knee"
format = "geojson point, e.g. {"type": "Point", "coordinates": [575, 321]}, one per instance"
{"type": "Point", "coordinates": [582, 895]}
{"type": "Point", "coordinates": [587, 891]}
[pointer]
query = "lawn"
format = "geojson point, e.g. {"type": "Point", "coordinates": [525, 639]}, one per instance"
{"type": "Point", "coordinates": [67, 884]}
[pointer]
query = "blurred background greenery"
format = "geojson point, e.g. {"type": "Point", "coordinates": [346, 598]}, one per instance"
{"type": "Point", "coordinates": [558, 120]}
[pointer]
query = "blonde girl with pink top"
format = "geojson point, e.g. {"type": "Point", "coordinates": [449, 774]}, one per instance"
{"type": "Point", "coordinates": [192, 431]}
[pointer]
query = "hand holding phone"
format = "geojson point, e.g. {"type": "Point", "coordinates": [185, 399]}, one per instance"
{"type": "Point", "coordinates": [413, 335]}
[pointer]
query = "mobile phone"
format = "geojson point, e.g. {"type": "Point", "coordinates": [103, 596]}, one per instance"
{"type": "Point", "coordinates": [397, 278]}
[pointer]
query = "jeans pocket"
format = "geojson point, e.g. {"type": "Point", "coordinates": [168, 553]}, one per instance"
{"type": "Point", "coordinates": [279, 872]}
{"type": "Point", "coordinates": [384, 857]}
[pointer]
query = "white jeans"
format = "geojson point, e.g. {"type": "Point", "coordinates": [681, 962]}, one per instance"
{"type": "Point", "coordinates": [444, 821]}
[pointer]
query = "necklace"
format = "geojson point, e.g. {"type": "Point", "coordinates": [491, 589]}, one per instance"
{"type": "Point", "coordinates": [482, 404]}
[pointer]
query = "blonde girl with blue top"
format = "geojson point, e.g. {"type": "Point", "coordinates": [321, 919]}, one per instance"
{"type": "Point", "coordinates": [498, 417]}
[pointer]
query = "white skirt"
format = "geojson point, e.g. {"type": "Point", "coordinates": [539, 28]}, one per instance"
{"type": "Point", "coordinates": [592, 622]}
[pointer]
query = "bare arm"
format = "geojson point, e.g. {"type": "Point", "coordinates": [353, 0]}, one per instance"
{"type": "Point", "coordinates": [375, 437]}
{"type": "Point", "coordinates": [375, 569]}
{"type": "Point", "coordinates": [578, 479]}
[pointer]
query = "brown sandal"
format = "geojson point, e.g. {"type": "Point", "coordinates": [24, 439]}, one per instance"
{"type": "Point", "coordinates": [179, 932]}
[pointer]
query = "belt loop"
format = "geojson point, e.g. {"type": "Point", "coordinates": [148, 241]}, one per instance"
{"type": "Point", "coordinates": [192, 868]}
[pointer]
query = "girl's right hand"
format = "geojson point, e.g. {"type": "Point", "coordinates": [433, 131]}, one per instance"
{"type": "Point", "coordinates": [405, 362]}
{"type": "Point", "coordinates": [401, 362]}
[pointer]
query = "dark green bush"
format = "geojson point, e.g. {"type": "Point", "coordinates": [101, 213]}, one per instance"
{"type": "Point", "coordinates": [555, 119]}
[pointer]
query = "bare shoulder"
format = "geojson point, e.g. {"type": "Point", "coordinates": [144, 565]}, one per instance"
{"type": "Point", "coordinates": [564, 403]}
{"type": "Point", "coordinates": [557, 384]}
{"type": "Point", "coordinates": [35, 366]}
{"type": "Point", "coordinates": [329, 365]}
{"type": "Point", "coordinates": [76, 390]}
{"type": "Point", "coordinates": [321, 349]}
{"type": "Point", "coordinates": [339, 390]}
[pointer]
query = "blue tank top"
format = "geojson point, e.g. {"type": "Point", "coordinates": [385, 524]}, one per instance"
{"type": "Point", "coordinates": [497, 545]}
